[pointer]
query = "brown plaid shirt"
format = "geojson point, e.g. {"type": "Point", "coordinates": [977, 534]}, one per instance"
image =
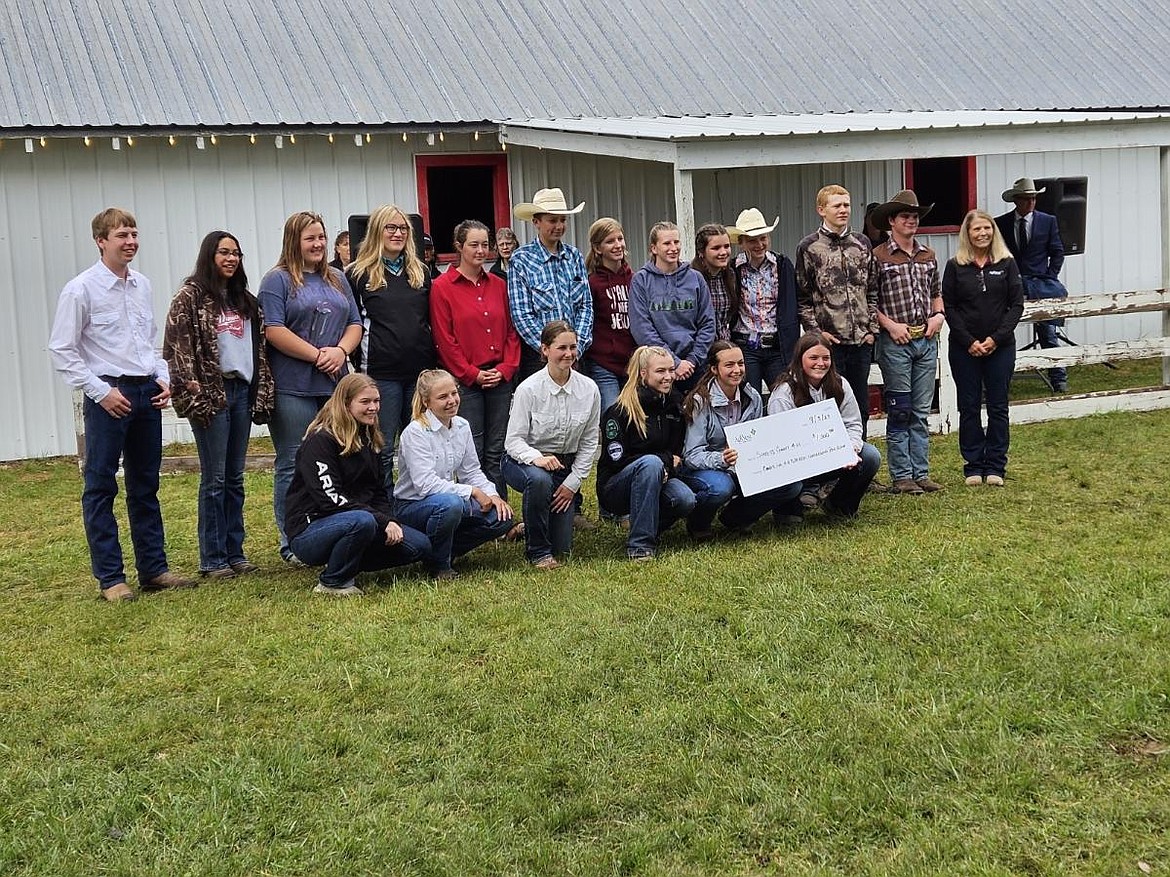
{"type": "Point", "coordinates": [907, 283]}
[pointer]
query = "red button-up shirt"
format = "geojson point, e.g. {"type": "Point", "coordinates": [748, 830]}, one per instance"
{"type": "Point", "coordinates": [471, 326]}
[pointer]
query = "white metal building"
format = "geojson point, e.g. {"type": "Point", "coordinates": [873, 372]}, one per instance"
{"type": "Point", "coordinates": [99, 109]}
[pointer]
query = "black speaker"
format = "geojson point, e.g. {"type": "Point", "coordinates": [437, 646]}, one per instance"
{"type": "Point", "coordinates": [1066, 198]}
{"type": "Point", "coordinates": [359, 222]}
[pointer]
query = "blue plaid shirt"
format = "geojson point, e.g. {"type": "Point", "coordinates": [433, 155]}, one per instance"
{"type": "Point", "coordinates": [544, 286]}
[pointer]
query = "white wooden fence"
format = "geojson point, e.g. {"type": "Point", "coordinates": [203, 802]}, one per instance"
{"type": "Point", "coordinates": [1059, 407]}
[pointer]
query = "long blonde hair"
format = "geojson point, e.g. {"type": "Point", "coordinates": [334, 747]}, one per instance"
{"type": "Point", "coordinates": [628, 399]}
{"type": "Point", "coordinates": [423, 384]}
{"type": "Point", "coordinates": [369, 256]}
{"type": "Point", "coordinates": [965, 254]}
{"type": "Point", "coordinates": [290, 251]}
{"type": "Point", "coordinates": [335, 419]}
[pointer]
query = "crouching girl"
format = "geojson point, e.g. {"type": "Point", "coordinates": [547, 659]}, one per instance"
{"type": "Point", "coordinates": [337, 513]}
{"type": "Point", "coordinates": [441, 488]}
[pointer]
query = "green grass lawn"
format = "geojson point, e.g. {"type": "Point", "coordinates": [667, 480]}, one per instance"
{"type": "Point", "coordinates": [974, 682]}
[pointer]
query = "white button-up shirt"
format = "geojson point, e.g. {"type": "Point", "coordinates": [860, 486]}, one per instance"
{"type": "Point", "coordinates": [105, 326]}
{"type": "Point", "coordinates": [433, 458]}
{"type": "Point", "coordinates": [550, 419]}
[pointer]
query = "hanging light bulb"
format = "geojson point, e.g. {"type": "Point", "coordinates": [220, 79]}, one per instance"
{"type": "Point", "coordinates": [441, 137]}
{"type": "Point", "coordinates": [477, 136]}
{"type": "Point", "coordinates": [171, 140]}
{"type": "Point", "coordinates": [214, 140]}
{"type": "Point", "coordinates": [252, 139]}
{"type": "Point", "coordinates": [129, 141]}
{"type": "Point", "coordinates": [88, 142]}
{"type": "Point", "coordinates": [44, 142]}
{"type": "Point", "coordinates": [369, 138]}
{"type": "Point", "coordinates": [403, 136]}
{"type": "Point", "coordinates": [292, 138]}
{"type": "Point", "coordinates": [330, 136]}
{"type": "Point", "coordinates": [431, 139]}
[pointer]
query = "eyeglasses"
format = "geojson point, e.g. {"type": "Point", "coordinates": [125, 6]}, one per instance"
{"type": "Point", "coordinates": [224, 251]}
{"type": "Point", "coordinates": [393, 228]}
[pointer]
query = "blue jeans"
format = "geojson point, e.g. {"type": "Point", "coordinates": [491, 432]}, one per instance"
{"type": "Point", "coordinates": [454, 526]}
{"type": "Point", "coordinates": [546, 533]}
{"type": "Point", "coordinates": [487, 412]}
{"type": "Point", "coordinates": [984, 451]}
{"type": "Point", "coordinates": [393, 417]}
{"type": "Point", "coordinates": [608, 383]}
{"type": "Point", "coordinates": [908, 372]}
{"type": "Point", "coordinates": [223, 448]}
{"type": "Point", "coordinates": [715, 489]}
{"type": "Point", "coordinates": [351, 542]}
{"type": "Point", "coordinates": [290, 419]}
{"type": "Point", "coordinates": [852, 361]}
{"type": "Point", "coordinates": [763, 365]}
{"type": "Point", "coordinates": [652, 503]}
{"type": "Point", "coordinates": [137, 440]}
{"type": "Point", "coordinates": [852, 484]}
{"type": "Point", "coordinates": [1046, 330]}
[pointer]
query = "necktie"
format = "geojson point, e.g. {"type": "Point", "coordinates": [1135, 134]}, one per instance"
{"type": "Point", "coordinates": [1022, 233]}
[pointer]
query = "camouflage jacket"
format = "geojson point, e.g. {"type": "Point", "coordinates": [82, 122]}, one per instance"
{"type": "Point", "coordinates": [837, 285]}
{"type": "Point", "coordinates": [191, 349]}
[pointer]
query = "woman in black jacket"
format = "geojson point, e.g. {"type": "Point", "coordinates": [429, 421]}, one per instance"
{"type": "Point", "coordinates": [984, 299]}
{"type": "Point", "coordinates": [337, 512]}
{"type": "Point", "coordinates": [641, 447]}
{"type": "Point", "coordinates": [393, 292]}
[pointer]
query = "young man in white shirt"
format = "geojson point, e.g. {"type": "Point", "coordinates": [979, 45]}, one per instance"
{"type": "Point", "coordinates": [102, 343]}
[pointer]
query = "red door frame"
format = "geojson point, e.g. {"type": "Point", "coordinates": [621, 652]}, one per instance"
{"type": "Point", "coordinates": [501, 198]}
{"type": "Point", "coordinates": [969, 184]}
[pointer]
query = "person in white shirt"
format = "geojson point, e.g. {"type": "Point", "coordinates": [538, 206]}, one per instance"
{"type": "Point", "coordinates": [550, 445]}
{"type": "Point", "coordinates": [102, 343]}
{"type": "Point", "coordinates": [812, 377]}
{"type": "Point", "coordinates": [441, 489]}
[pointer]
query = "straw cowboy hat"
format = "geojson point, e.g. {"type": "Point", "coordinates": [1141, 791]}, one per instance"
{"type": "Point", "coordinates": [904, 202]}
{"type": "Point", "coordinates": [1023, 187]}
{"type": "Point", "coordinates": [750, 223]}
{"type": "Point", "coordinates": [546, 201]}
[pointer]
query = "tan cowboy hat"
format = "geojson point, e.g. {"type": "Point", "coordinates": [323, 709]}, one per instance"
{"type": "Point", "coordinates": [904, 202]}
{"type": "Point", "coordinates": [750, 223]}
{"type": "Point", "coordinates": [546, 201]}
{"type": "Point", "coordinates": [1021, 187]}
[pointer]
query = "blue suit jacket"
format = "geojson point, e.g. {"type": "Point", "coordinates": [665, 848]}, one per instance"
{"type": "Point", "coordinates": [1044, 255]}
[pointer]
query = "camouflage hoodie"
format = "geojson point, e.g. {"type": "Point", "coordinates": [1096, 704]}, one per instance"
{"type": "Point", "coordinates": [191, 349]}
{"type": "Point", "coordinates": [837, 285]}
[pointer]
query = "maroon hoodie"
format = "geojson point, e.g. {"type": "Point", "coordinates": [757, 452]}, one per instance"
{"type": "Point", "coordinates": [612, 343]}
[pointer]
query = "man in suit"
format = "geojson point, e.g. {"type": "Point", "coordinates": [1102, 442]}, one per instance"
{"type": "Point", "coordinates": [1034, 240]}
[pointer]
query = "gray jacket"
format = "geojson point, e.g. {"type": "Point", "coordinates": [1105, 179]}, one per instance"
{"type": "Point", "coordinates": [705, 440]}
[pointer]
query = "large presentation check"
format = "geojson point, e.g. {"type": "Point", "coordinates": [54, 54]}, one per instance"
{"type": "Point", "coordinates": [790, 446]}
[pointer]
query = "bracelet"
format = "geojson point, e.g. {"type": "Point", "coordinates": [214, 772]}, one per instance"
{"type": "Point", "coordinates": [939, 314]}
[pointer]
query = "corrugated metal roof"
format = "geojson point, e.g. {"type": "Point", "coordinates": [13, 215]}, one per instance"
{"type": "Point", "coordinates": [193, 63]}
{"type": "Point", "coordinates": [684, 128]}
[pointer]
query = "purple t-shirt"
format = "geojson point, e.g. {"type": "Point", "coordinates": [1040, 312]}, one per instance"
{"type": "Point", "coordinates": [316, 312]}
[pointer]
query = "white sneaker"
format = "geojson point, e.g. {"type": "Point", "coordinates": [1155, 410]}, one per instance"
{"type": "Point", "coordinates": [349, 589]}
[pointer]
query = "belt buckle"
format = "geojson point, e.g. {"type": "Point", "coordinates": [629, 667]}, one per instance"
{"type": "Point", "coordinates": [916, 332]}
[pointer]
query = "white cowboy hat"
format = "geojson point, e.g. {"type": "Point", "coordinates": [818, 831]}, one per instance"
{"type": "Point", "coordinates": [750, 223]}
{"type": "Point", "coordinates": [1021, 187]}
{"type": "Point", "coordinates": [546, 201]}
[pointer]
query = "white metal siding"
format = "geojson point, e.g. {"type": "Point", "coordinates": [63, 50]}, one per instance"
{"type": "Point", "coordinates": [178, 194]}
{"type": "Point", "coordinates": [1123, 234]}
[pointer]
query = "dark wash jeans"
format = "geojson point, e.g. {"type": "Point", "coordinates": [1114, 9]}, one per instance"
{"type": "Point", "coordinates": [136, 439]}
{"type": "Point", "coordinates": [223, 449]}
{"type": "Point", "coordinates": [984, 451]}
{"type": "Point", "coordinates": [853, 362]}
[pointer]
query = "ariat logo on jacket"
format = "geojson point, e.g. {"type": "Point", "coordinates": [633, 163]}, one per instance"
{"type": "Point", "coordinates": [327, 484]}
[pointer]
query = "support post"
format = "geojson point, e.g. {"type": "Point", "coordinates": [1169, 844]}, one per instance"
{"type": "Point", "coordinates": [684, 210]}
{"type": "Point", "coordinates": [1164, 190]}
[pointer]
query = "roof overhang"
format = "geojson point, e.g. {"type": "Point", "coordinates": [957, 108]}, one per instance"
{"type": "Point", "coordinates": [716, 142]}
